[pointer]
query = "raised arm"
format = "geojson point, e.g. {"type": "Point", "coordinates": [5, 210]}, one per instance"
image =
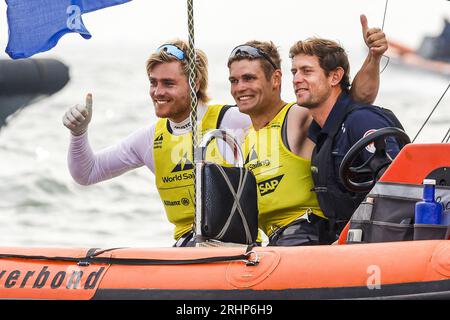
{"type": "Point", "coordinates": [367, 81]}
{"type": "Point", "coordinates": [87, 167]}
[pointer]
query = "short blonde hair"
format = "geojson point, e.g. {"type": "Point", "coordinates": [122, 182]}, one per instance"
{"type": "Point", "coordinates": [201, 66]}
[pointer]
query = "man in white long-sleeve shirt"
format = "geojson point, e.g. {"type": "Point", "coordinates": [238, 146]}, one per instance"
{"type": "Point", "coordinates": [164, 146]}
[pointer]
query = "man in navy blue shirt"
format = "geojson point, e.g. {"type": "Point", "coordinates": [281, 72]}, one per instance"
{"type": "Point", "coordinates": [352, 127]}
{"type": "Point", "coordinates": [321, 82]}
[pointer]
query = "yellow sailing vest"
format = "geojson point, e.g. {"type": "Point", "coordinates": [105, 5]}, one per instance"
{"type": "Point", "coordinates": [284, 179]}
{"type": "Point", "coordinates": [174, 169]}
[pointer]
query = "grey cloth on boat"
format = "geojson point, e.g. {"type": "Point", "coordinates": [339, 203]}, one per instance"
{"type": "Point", "coordinates": [387, 214]}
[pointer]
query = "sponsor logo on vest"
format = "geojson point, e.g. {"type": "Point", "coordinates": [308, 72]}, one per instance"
{"type": "Point", "coordinates": [371, 147]}
{"type": "Point", "coordinates": [269, 185]}
{"type": "Point", "coordinates": [184, 201]}
{"type": "Point", "coordinates": [251, 156]}
{"type": "Point", "coordinates": [183, 165]}
{"type": "Point", "coordinates": [257, 164]}
{"type": "Point", "coordinates": [184, 126]}
{"type": "Point", "coordinates": [178, 177]}
{"type": "Point", "coordinates": [275, 125]}
{"type": "Point", "coordinates": [157, 143]}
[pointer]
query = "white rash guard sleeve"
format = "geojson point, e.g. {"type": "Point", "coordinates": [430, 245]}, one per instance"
{"type": "Point", "coordinates": [136, 150]}
{"type": "Point", "coordinates": [236, 123]}
{"type": "Point", "coordinates": [87, 167]}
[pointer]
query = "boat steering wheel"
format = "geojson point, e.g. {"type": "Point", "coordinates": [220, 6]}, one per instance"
{"type": "Point", "coordinates": [374, 166]}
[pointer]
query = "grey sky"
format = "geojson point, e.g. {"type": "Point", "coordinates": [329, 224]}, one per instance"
{"type": "Point", "coordinates": [230, 22]}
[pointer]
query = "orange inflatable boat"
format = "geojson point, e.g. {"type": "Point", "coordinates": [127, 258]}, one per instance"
{"type": "Point", "coordinates": [414, 269]}
{"type": "Point", "coordinates": [387, 270]}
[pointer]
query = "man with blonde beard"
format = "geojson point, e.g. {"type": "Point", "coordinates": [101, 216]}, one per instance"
{"type": "Point", "coordinates": [165, 146]}
{"type": "Point", "coordinates": [277, 148]}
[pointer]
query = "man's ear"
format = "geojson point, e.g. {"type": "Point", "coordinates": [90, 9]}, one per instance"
{"type": "Point", "coordinates": [276, 78]}
{"type": "Point", "coordinates": [336, 76]}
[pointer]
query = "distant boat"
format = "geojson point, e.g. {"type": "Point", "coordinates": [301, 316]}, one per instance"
{"type": "Point", "coordinates": [433, 54]}
{"type": "Point", "coordinates": [23, 82]}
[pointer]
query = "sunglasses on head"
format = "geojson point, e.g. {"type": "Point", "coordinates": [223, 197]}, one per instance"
{"type": "Point", "coordinates": [249, 51]}
{"type": "Point", "coordinates": [173, 50]}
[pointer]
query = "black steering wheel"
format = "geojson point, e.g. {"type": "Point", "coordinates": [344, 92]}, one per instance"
{"type": "Point", "coordinates": [370, 170]}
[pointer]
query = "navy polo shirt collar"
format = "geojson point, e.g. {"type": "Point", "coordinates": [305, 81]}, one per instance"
{"type": "Point", "coordinates": [316, 133]}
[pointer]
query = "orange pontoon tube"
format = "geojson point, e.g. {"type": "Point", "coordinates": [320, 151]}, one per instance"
{"type": "Point", "coordinates": [388, 270]}
{"type": "Point", "coordinates": [413, 269]}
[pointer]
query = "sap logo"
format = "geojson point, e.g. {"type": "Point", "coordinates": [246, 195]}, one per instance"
{"type": "Point", "coordinates": [270, 185]}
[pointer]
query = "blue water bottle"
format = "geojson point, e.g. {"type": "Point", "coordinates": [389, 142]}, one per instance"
{"type": "Point", "coordinates": [428, 211]}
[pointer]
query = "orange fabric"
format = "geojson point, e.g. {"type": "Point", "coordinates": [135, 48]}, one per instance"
{"type": "Point", "coordinates": [280, 268]}
{"type": "Point", "coordinates": [416, 161]}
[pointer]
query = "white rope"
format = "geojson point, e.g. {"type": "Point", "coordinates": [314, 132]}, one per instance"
{"type": "Point", "coordinates": [191, 58]}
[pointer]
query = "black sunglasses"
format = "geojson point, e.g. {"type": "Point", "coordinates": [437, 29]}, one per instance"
{"type": "Point", "coordinates": [246, 50]}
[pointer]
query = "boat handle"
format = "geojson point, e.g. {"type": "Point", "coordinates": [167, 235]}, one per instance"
{"type": "Point", "coordinates": [228, 139]}
{"type": "Point", "coordinates": [251, 262]}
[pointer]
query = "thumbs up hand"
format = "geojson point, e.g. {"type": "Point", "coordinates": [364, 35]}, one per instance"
{"type": "Point", "coordinates": [374, 38]}
{"type": "Point", "coordinates": [77, 118]}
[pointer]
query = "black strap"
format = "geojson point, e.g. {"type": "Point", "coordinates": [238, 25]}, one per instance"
{"type": "Point", "coordinates": [90, 253]}
{"type": "Point", "coordinates": [94, 259]}
{"type": "Point", "coordinates": [169, 128]}
{"type": "Point", "coordinates": [250, 247]}
{"type": "Point", "coordinates": [284, 135]}
{"type": "Point", "coordinates": [222, 114]}
{"type": "Point", "coordinates": [219, 119]}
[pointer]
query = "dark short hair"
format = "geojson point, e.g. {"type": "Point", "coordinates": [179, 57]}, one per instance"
{"type": "Point", "coordinates": [331, 55]}
{"type": "Point", "coordinates": [269, 48]}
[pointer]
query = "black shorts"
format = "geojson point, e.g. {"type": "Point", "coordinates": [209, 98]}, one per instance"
{"type": "Point", "coordinates": [187, 240]}
{"type": "Point", "coordinates": [303, 233]}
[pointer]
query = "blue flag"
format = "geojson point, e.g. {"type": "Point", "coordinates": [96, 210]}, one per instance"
{"type": "Point", "coordinates": [37, 25]}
